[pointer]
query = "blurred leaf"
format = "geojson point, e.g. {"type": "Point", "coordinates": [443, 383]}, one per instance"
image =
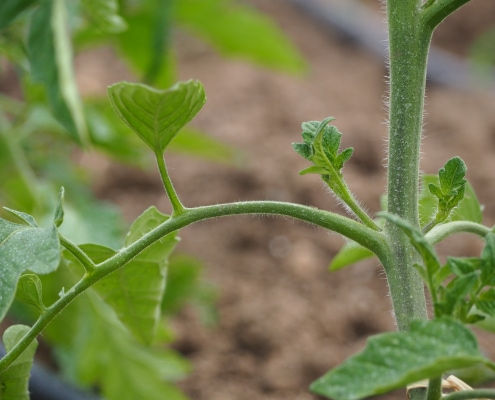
{"type": "Point", "coordinates": [88, 220]}
{"type": "Point", "coordinates": [349, 254]}
{"type": "Point", "coordinates": [29, 291]}
{"type": "Point", "coordinates": [185, 285]}
{"type": "Point", "coordinates": [10, 9]}
{"type": "Point", "coordinates": [50, 56]}
{"type": "Point", "coordinates": [236, 29]}
{"type": "Point", "coordinates": [395, 359]}
{"type": "Point", "coordinates": [156, 116]}
{"type": "Point", "coordinates": [103, 15]}
{"type": "Point", "coordinates": [482, 56]}
{"type": "Point", "coordinates": [107, 356]}
{"type": "Point", "coordinates": [146, 44]}
{"type": "Point", "coordinates": [201, 145]}
{"type": "Point", "coordinates": [24, 248]}
{"type": "Point", "coordinates": [14, 379]}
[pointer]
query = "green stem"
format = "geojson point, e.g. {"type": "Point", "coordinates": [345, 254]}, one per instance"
{"type": "Point", "coordinates": [434, 389]}
{"type": "Point", "coordinates": [76, 251]}
{"type": "Point", "coordinates": [346, 196]}
{"type": "Point", "coordinates": [354, 230]}
{"type": "Point", "coordinates": [440, 232]}
{"type": "Point", "coordinates": [409, 44]}
{"type": "Point", "coordinates": [471, 394]}
{"type": "Point", "coordinates": [177, 206]}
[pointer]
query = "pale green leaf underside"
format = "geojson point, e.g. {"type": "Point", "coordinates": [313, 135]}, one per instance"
{"type": "Point", "coordinates": [395, 359]}
{"type": "Point", "coordinates": [24, 248]}
{"type": "Point", "coordinates": [14, 380]}
{"type": "Point", "coordinates": [156, 116]}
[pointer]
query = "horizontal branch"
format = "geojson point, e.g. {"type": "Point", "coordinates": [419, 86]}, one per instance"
{"type": "Point", "coordinates": [354, 230]}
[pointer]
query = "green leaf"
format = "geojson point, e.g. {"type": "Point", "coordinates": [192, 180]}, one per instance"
{"type": "Point", "coordinates": [135, 291]}
{"type": "Point", "coordinates": [395, 359]}
{"type": "Point", "coordinates": [321, 147]}
{"type": "Point", "coordinates": [24, 248]}
{"type": "Point", "coordinates": [451, 187]}
{"type": "Point", "coordinates": [107, 356]}
{"type": "Point", "coordinates": [103, 15]}
{"type": "Point", "coordinates": [14, 379]}
{"type": "Point", "coordinates": [486, 302]}
{"type": "Point", "coordinates": [50, 56]}
{"type": "Point", "coordinates": [349, 254]}
{"type": "Point", "coordinates": [29, 291]}
{"type": "Point", "coordinates": [156, 116]}
{"type": "Point", "coordinates": [452, 175]}
{"type": "Point", "coordinates": [11, 9]}
{"type": "Point", "coordinates": [236, 29]}
{"type": "Point", "coordinates": [469, 209]}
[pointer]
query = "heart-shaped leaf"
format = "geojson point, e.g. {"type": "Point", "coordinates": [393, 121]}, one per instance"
{"type": "Point", "coordinates": [156, 116]}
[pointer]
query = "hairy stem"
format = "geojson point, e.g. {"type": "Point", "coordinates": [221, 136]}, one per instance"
{"type": "Point", "coordinates": [354, 230]}
{"type": "Point", "coordinates": [409, 44]}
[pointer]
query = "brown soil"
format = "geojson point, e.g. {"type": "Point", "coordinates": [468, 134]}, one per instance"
{"type": "Point", "coordinates": [284, 319]}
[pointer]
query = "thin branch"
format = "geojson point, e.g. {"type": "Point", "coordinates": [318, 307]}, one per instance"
{"type": "Point", "coordinates": [440, 232]}
{"type": "Point", "coordinates": [434, 12]}
{"type": "Point", "coordinates": [76, 251]}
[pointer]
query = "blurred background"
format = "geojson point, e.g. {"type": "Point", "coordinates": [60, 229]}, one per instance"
{"type": "Point", "coordinates": [252, 304]}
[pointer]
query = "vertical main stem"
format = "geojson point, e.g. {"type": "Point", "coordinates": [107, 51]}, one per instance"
{"type": "Point", "coordinates": [409, 43]}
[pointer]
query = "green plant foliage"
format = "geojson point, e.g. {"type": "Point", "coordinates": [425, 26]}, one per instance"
{"type": "Point", "coordinates": [25, 247]}
{"type": "Point", "coordinates": [469, 209]}
{"type": "Point", "coordinates": [350, 253]}
{"type": "Point", "coordinates": [135, 291]}
{"type": "Point", "coordinates": [185, 285]}
{"type": "Point", "coordinates": [103, 15]}
{"type": "Point", "coordinates": [395, 359]}
{"type": "Point", "coordinates": [156, 116]}
{"type": "Point", "coordinates": [235, 29]}
{"type": "Point", "coordinates": [29, 291]}
{"type": "Point", "coordinates": [14, 380]}
{"type": "Point", "coordinates": [11, 9]}
{"type": "Point", "coordinates": [451, 188]}
{"type": "Point", "coordinates": [321, 147]}
{"type": "Point", "coordinates": [105, 354]}
{"type": "Point", "coordinates": [50, 57]}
